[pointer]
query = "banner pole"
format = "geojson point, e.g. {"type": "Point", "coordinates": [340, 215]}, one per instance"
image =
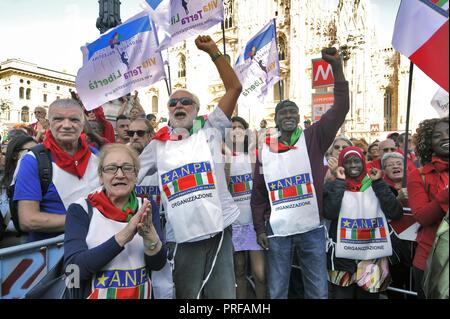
{"type": "Point", "coordinates": [280, 89]}
{"type": "Point", "coordinates": [223, 39]}
{"type": "Point", "coordinates": [408, 108]}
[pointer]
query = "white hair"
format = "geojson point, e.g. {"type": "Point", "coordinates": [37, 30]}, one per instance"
{"type": "Point", "coordinates": [390, 155]}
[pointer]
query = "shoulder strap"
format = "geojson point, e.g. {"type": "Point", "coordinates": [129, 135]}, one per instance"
{"type": "Point", "coordinates": [90, 209]}
{"type": "Point", "coordinates": [44, 166]}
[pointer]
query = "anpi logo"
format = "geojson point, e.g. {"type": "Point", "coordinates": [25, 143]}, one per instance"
{"type": "Point", "coordinates": [322, 73]}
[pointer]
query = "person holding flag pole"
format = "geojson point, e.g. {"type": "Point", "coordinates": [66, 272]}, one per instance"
{"type": "Point", "coordinates": [200, 210]}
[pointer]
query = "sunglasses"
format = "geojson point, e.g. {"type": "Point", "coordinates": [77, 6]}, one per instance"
{"type": "Point", "coordinates": [341, 147]}
{"type": "Point", "coordinates": [183, 100]}
{"type": "Point", "coordinates": [139, 133]}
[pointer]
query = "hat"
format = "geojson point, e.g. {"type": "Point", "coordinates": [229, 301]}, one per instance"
{"type": "Point", "coordinates": [283, 104]}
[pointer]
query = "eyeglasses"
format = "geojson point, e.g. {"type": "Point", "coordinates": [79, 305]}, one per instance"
{"type": "Point", "coordinates": [140, 133]}
{"type": "Point", "coordinates": [399, 164]}
{"type": "Point", "coordinates": [24, 149]}
{"type": "Point", "coordinates": [183, 100]}
{"type": "Point", "coordinates": [389, 149]}
{"type": "Point", "coordinates": [112, 169]}
{"type": "Point", "coordinates": [341, 147]}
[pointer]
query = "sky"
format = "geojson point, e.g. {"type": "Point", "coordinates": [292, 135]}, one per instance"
{"type": "Point", "coordinates": [51, 32]}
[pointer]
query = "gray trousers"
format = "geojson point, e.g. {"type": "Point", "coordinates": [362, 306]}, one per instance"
{"type": "Point", "coordinates": [193, 262]}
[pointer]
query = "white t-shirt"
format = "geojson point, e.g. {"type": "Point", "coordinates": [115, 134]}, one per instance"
{"type": "Point", "coordinates": [214, 129]}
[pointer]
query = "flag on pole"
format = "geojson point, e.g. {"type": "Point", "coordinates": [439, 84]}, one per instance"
{"type": "Point", "coordinates": [178, 20]}
{"type": "Point", "coordinates": [120, 61]}
{"type": "Point", "coordinates": [421, 34]}
{"type": "Point", "coordinates": [440, 102]}
{"type": "Point", "coordinates": [258, 67]}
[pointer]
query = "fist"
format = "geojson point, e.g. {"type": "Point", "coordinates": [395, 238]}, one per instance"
{"type": "Point", "coordinates": [375, 174]}
{"type": "Point", "coordinates": [331, 55]}
{"type": "Point", "coordinates": [332, 164]}
{"type": "Point", "coordinates": [206, 44]}
{"type": "Point", "coordinates": [340, 172]}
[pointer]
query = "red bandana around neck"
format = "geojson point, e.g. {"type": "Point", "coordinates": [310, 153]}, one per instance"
{"type": "Point", "coordinates": [353, 184]}
{"type": "Point", "coordinates": [100, 201]}
{"type": "Point", "coordinates": [75, 164]}
{"type": "Point", "coordinates": [276, 146]}
{"type": "Point", "coordinates": [441, 167]}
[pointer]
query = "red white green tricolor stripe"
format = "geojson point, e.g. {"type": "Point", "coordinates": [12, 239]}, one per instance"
{"type": "Point", "coordinates": [421, 34]}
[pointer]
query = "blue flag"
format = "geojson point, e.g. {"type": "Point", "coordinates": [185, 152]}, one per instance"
{"type": "Point", "coordinates": [258, 67]}
{"type": "Point", "coordinates": [120, 61]}
{"type": "Point", "coordinates": [177, 20]}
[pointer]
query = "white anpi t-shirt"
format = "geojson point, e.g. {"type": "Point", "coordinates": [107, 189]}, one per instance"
{"type": "Point", "coordinates": [240, 186]}
{"type": "Point", "coordinates": [189, 187]}
{"type": "Point", "coordinates": [292, 196]}
{"type": "Point", "coordinates": [362, 232]}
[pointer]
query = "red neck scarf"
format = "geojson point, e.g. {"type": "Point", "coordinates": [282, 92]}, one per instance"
{"type": "Point", "coordinates": [164, 134]}
{"type": "Point", "coordinates": [100, 201]}
{"type": "Point", "coordinates": [353, 184]}
{"type": "Point", "coordinates": [441, 167]}
{"type": "Point", "coordinates": [276, 146]}
{"type": "Point", "coordinates": [75, 164]}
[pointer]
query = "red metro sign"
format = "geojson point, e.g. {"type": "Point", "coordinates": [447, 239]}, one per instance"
{"type": "Point", "coordinates": [322, 73]}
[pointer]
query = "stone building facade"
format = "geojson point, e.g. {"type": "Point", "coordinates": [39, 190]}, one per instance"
{"type": "Point", "coordinates": [24, 86]}
{"type": "Point", "coordinates": [377, 76]}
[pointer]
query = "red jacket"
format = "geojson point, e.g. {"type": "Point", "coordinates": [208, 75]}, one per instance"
{"type": "Point", "coordinates": [429, 206]}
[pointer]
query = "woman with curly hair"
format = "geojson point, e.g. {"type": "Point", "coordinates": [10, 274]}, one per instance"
{"type": "Point", "coordinates": [428, 189]}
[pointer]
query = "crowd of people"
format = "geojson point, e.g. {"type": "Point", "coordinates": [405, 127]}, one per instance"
{"type": "Point", "coordinates": [195, 208]}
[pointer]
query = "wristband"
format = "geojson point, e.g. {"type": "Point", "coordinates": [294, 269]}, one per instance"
{"type": "Point", "coordinates": [215, 55]}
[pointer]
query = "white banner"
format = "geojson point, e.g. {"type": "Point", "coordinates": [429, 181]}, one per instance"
{"type": "Point", "coordinates": [258, 66]}
{"type": "Point", "coordinates": [177, 20]}
{"type": "Point", "coordinates": [440, 102]}
{"type": "Point", "coordinates": [120, 61]}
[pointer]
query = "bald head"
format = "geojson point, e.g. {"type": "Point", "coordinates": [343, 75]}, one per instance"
{"type": "Point", "coordinates": [386, 146]}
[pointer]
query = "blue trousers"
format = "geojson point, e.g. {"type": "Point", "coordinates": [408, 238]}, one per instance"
{"type": "Point", "coordinates": [311, 253]}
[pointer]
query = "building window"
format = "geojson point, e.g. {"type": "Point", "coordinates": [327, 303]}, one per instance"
{"type": "Point", "coordinates": [45, 85]}
{"type": "Point", "coordinates": [28, 94]}
{"type": "Point", "coordinates": [388, 109]}
{"type": "Point", "coordinates": [277, 89]}
{"type": "Point", "coordinates": [57, 88]}
{"type": "Point", "coordinates": [21, 80]}
{"type": "Point", "coordinates": [45, 98]}
{"type": "Point", "coordinates": [28, 82]}
{"type": "Point", "coordinates": [228, 13]}
{"type": "Point", "coordinates": [21, 93]}
{"type": "Point", "coordinates": [154, 104]}
{"type": "Point", "coordinates": [181, 66]}
{"type": "Point", "coordinates": [58, 97]}
{"type": "Point", "coordinates": [5, 112]}
{"type": "Point", "coordinates": [25, 114]}
{"type": "Point", "coordinates": [281, 48]}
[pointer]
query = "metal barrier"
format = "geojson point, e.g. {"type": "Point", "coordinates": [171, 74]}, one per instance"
{"type": "Point", "coordinates": [23, 266]}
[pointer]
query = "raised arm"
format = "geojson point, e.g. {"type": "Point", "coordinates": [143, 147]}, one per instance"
{"type": "Point", "coordinates": [231, 82]}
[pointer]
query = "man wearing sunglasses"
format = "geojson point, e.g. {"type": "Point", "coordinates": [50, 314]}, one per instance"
{"type": "Point", "coordinates": [140, 133]}
{"type": "Point", "coordinates": [388, 146]}
{"type": "Point", "coordinates": [199, 207]}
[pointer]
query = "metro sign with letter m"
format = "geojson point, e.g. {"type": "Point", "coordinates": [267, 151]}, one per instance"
{"type": "Point", "coordinates": [322, 73]}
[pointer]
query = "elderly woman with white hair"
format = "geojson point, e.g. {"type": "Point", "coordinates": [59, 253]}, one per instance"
{"type": "Point", "coordinates": [392, 165]}
{"type": "Point", "coordinates": [102, 232]}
